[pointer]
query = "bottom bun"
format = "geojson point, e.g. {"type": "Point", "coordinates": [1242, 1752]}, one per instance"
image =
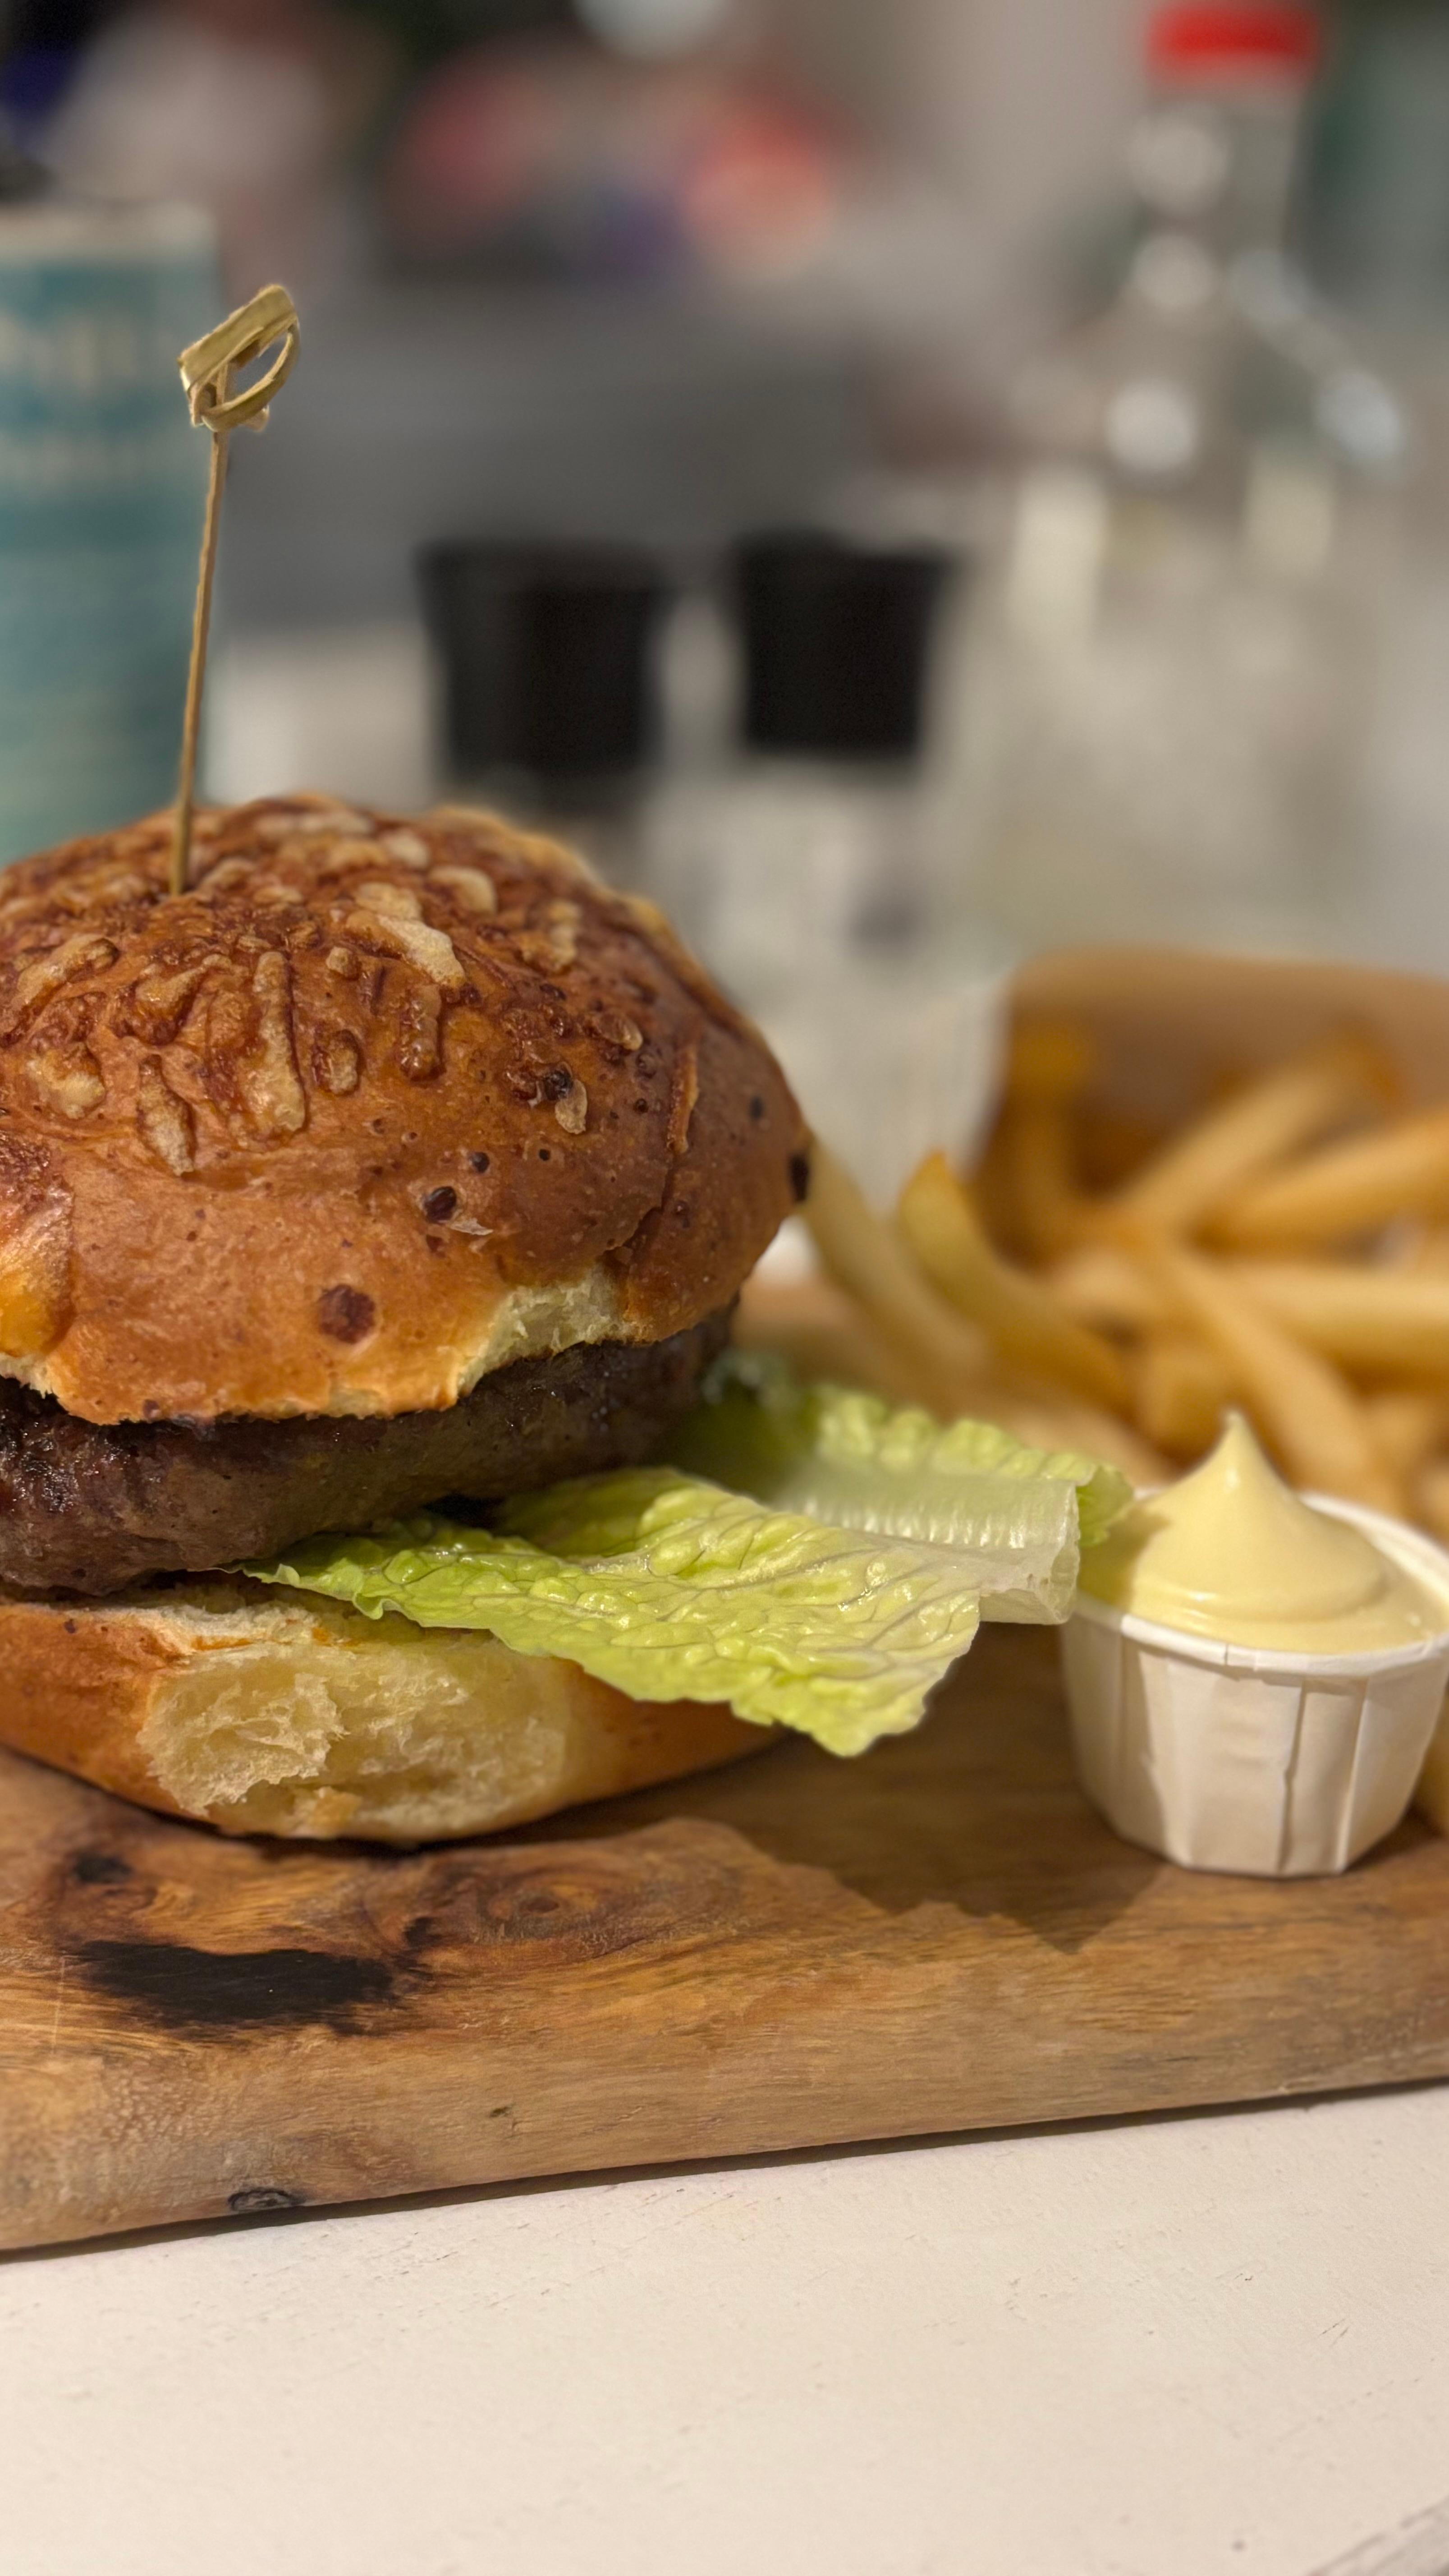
{"type": "Point", "coordinates": [266, 1715]}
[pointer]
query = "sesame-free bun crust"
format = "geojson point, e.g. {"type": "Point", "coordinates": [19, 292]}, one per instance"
{"type": "Point", "coordinates": [259, 1713]}
{"type": "Point", "coordinates": [376, 1106]}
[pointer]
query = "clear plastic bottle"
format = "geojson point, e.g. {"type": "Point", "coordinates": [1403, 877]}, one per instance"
{"type": "Point", "coordinates": [1169, 687]}
{"type": "Point", "coordinates": [801, 862]}
{"type": "Point", "coordinates": [546, 703]}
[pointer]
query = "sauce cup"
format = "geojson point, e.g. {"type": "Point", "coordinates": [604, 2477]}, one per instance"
{"type": "Point", "coordinates": [1271, 1764]}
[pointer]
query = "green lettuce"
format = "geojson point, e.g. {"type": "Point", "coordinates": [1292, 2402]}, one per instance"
{"type": "Point", "coordinates": [672, 1589]}
{"type": "Point", "coordinates": [814, 1557]}
{"type": "Point", "coordinates": [1014, 1518]}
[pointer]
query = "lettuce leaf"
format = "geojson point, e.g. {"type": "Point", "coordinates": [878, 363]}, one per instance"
{"type": "Point", "coordinates": [813, 1556]}
{"type": "Point", "coordinates": [1013, 1517]}
{"type": "Point", "coordinates": [670, 1588]}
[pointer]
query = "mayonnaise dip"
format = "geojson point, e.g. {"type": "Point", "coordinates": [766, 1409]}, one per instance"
{"type": "Point", "coordinates": [1232, 1553]}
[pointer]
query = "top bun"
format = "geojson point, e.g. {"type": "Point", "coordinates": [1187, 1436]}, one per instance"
{"type": "Point", "coordinates": [375, 1107]}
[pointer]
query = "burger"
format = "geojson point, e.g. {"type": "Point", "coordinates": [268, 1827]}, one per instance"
{"type": "Point", "coordinates": [394, 1164]}
{"type": "Point", "coordinates": [372, 1462]}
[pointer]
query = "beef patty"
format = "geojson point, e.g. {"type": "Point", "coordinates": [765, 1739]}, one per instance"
{"type": "Point", "coordinates": [92, 1507]}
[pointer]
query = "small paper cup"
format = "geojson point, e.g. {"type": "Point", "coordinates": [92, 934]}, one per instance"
{"type": "Point", "coordinates": [1272, 1765]}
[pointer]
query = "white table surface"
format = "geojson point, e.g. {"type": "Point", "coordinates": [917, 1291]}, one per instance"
{"type": "Point", "coordinates": [1160, 2349]}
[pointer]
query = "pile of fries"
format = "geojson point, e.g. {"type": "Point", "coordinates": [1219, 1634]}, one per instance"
{"type": "Point", "coordinates": [1095, 1284]}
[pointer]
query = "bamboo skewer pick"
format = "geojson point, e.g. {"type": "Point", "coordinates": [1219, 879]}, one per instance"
{"type": "Point", "coordinates": [206, 372]}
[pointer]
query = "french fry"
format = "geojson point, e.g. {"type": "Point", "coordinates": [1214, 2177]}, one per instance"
{"type": "Point", "coordinates": [864, 1255]}
{"type": "Point", "coordinates": [1115, 1292]}
{"type": "Point", "coordinates": [1432, 1795]}
{"type": "Point", "coordinates": [1060, 1422]}
{"type": "Point", "coordinates": [1102, 1285]}
{"type": "Point", "coordinates": [823, 1333]}
{"type": "Point", "coordinates": [1431, 1506]}
{"type": "Point", "coordinates": [1421, 1247]}
{"type": "Point", "coordinates": [1048, 1060]}
{"type": "Point", "coordinates": [994, 1188]}
{"type": "Point", "coordinates": [1344, 1190]}
{"type": "Point", "coordinates": [1181, 1388]}
{"type": "Point", "coordinates": [1256, 1127]}
{"type": "Point", "coordinates": [1112, 1145]}
{"type": "Point", "coordinates": [1029, 1167]}
{"type": "Point", "coordinates": [1306, 1411]}
{"type": "Point", "coordinates": [1021, 1318]}
{"type": "Point", "coordinates": [878, 1323]}
{"type": "Point", "coordinates": [1049, 1213]}
{"type": "Point", "coordinates": [1408, 1425]}
{"type": "Point", "coordinates": [1375, 1321]}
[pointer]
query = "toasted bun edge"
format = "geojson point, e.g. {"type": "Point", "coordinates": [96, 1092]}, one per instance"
{"type": "Point", "coordinates": [259, 1714]}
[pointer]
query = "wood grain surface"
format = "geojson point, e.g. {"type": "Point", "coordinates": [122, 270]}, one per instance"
{"type": "Point", "coordinates": [796, 1951]}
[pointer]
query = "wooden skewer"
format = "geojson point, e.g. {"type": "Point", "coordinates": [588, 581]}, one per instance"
{"type": "Point", "coordinates": [196, 677]}
{"type": "Point", "coordinates": [206, 371]}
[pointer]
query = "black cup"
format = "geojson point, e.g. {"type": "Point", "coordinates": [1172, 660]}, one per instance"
{"type": "Point", "coordinates": [546, 651]}
{"type": "Point", "coordinates": [837, 641]}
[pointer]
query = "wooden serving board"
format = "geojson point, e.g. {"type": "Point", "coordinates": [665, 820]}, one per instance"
{"type": "Point", "coordinates": [786, 1953]}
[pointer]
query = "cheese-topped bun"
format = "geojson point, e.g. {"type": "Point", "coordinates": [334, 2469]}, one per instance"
{"type": "Point", "coordinates": [374, 1108]}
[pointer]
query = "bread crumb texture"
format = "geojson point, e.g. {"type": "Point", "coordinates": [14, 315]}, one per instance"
{"type": "Point", "coordinates": [306, 1720]}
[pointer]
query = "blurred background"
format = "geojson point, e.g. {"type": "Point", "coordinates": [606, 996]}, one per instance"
{"type": "Point", "coordinates": [903, 485]}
